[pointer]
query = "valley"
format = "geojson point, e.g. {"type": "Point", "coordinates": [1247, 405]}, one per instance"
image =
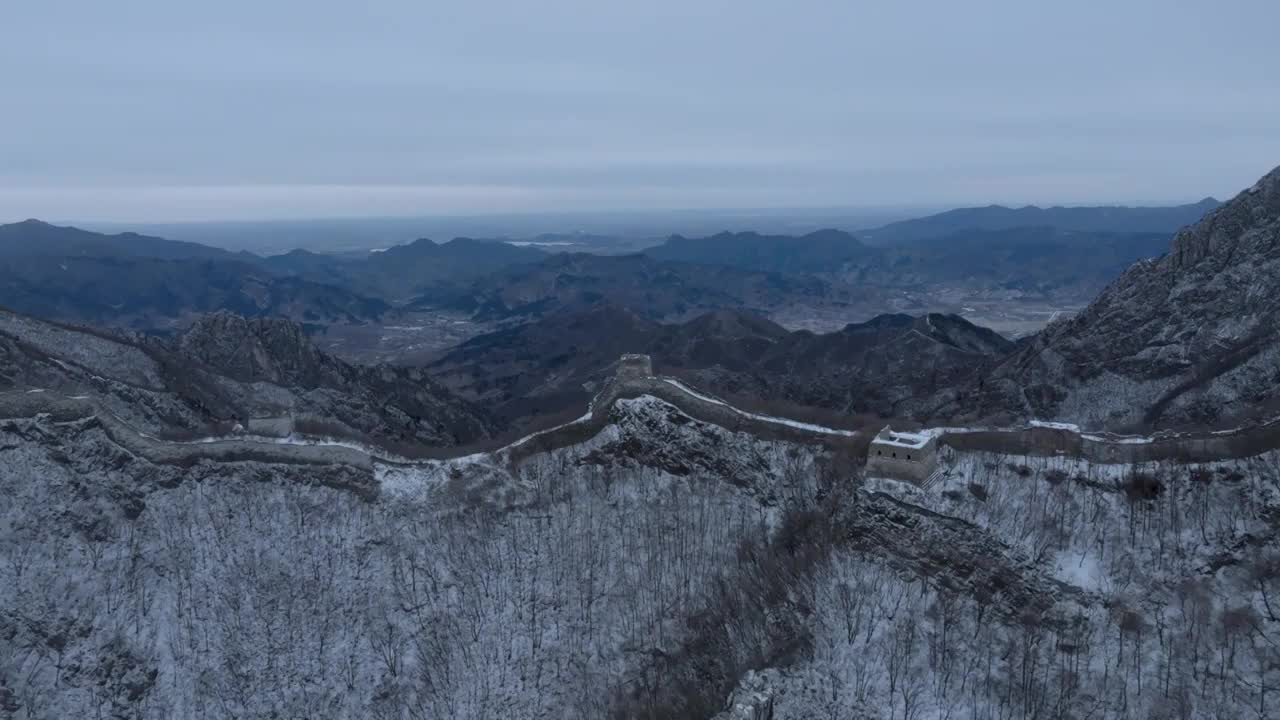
{"type": "Point", "coordinates": [401, 303]}
{"type": "Point", "coordinates": [412, 338]}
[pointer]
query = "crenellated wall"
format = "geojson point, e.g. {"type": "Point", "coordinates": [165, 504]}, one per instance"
{"type": "Point", "coordinates": [276, 427]}
{"type": "Point", "coordinates": [1118, 449]}
{"type": "Point", "coordinates": [634, 379]}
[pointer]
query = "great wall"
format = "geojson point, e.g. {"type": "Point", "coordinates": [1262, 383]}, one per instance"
{"type": "Point", "coordinates": [635, 378]}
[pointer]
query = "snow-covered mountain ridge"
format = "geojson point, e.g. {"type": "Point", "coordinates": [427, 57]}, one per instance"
{"type": "Point", "coordinates": [638, 562]}
{"type": "Point", "coordinates": [1189, 339]}
{"type": "Point", "coordinates": [1039, 438]}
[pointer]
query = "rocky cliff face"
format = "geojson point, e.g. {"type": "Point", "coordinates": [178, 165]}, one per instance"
{"type": "Point", "coordinates": [1190, 337]}
{"type": "Point", "coordinates": [257, 349]}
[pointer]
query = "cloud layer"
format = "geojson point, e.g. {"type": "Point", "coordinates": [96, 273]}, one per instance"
{"type": "Point", "coordinates": [146, 110]}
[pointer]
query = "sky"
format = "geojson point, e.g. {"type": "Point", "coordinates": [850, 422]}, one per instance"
{"type": "Point", "coordinates": [143, 110]}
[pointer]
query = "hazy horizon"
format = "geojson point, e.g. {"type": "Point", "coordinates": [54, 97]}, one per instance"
{"type": "Point", "coordinates": [155, 112]}
{"type": "Point", "coordinates": [266, 212]}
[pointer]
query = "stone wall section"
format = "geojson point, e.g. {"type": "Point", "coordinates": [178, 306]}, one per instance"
{"type": "Point", "coordinates": [635, 379]}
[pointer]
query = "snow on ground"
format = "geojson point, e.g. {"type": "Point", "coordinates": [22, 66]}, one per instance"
{"type": "Point", "coordinates": [1071, 427]}
{"type": "Point", "coordinates": [1079, 569]}
{"type": "Point", "coordinates": [1178, 562]}
{"type": "Point", "coordinates": [252, 598]}
{"type": "Point", "coordinates": [1119, 439]}
{"type": "Point", "coordinates": [910, 440]}
{"type": "Point", "coordinates": [527, 438]}
{"type": "Point", "coordinates": [763, 418]}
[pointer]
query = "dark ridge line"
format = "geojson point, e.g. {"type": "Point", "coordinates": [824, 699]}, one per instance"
{"type": "Point", "coordinates": [1032, 441]}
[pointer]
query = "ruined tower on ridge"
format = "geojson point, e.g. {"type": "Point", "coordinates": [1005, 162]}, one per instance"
{"type": "Point", "coordinates": [634, 367]}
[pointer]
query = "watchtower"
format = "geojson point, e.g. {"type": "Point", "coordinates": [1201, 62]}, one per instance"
{"type": "Point", "coordinates": [634, 367]}
{"type": "Point", "coordinates": [902, 456]}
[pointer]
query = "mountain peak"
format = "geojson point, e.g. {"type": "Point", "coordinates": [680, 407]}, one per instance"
{"type": "Point", "coordinates": [725, 322]}
{"type": "Point", "coordinates": [30, 226]}
{"type": "Point", "coordinates": [1190, 338]}
{"type": "Point", "coordinates": [1219, 233]}
{"type": "Point", "coordinates": [252, 349]}
{"type": "Point", "coordinates": [1102, 218]}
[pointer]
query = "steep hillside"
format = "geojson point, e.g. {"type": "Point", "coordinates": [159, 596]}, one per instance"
{"type": "Point", "coordinates": [227, 369]}
{"type": "Point", "coordinates": [883, 366]}
{"type": "Point", "coordinates": [1191, 337]}
{"type": "Point", "coordinates": [295, 582]}
{"type": "Point", "coordinates": [890, 365]}
{"type": "Point", "coordinates": [659, 565]}
{"type": "Point", "coordinates": [547, 366]}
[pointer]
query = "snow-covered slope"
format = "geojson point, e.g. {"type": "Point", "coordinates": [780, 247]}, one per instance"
{"type": "Point", "coordinates": [463, 589]}
{"type": "Point", "coordinates": [1167, 580]}
{"type": "Point", "coordinates": [663, 557]}
{"type": "Point", "coordinates": [1188, 338]}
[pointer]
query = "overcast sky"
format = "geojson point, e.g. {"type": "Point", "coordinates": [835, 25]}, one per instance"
{"type": "Point", "coordinates": [174, 110]}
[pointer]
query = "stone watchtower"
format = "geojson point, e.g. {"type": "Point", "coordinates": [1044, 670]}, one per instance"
{"type": "Point", "coordinates": [634, 367]}
{"type": "Point", "coordinates": [902, 456]}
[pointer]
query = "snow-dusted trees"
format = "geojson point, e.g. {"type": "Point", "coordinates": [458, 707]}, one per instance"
{"type": "Point", "coordinates": [597, 586]}
{"type": "Point", "coordinates": [1178, 569]}
{"type": "Point", "coordinates": [250, 597]}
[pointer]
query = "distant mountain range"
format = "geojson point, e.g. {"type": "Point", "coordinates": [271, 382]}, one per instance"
{"type": "Point", "coordinates": [144, 282]}
{"type": "Point", "coordinates": [1041, 261]}
{"type": "Point", "coordinates": [654, 288]}
{"type": "Point", "coordinates": [151, 283]}
{"type": "Point", "coordinates": [1191, 338]}
{"type": "Point", "coordinates": [1096, 219]}
{"type": "Point", "coordinates": [404, 272]}
{"type": "Point", "coordinates": [817, 252]}
{"type": "Point", "coordinates": [1037, 259]}
{"type": "Point", "coordinates": [33, 238]}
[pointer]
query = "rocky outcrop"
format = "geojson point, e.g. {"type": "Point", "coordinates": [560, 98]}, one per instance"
{"type": "Point", "coordinates": [256, 349]}
{"type": "Point", "coordinates": [1190, 338]}
{"type": "Point", "coordinates": [752, 699]}
{"type": "Point", "coordinates": [1226, 231]}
